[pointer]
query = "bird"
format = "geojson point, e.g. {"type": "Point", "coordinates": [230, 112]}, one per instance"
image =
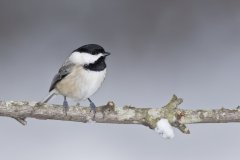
{"type": "Point", "coordinates": [80, 76]}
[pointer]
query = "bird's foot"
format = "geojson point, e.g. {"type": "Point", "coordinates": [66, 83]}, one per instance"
{"type": "Point", "coordinates": [78, 104]}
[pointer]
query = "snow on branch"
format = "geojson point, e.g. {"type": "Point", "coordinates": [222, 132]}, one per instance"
{"type": "Point", "coordinates": [110, 113]}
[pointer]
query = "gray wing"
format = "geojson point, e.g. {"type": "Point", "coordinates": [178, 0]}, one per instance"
{"type": "Point", "coordinates": [63, 72]}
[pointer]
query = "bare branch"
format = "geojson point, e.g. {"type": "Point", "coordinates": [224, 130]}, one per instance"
{"type": "Point", "coordinates": [109, 113]}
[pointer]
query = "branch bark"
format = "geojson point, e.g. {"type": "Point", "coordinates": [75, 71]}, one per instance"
{"type": "Point", "coordinates": [109, 113]}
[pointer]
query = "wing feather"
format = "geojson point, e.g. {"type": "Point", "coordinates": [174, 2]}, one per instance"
{"type": "Point", "coordinates": [62, 73]}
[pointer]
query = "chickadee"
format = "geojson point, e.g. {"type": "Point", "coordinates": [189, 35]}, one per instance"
{"type": "Point", "coordinates": [81, 75]}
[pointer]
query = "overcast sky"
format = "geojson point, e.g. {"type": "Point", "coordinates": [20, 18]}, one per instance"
{"type": "Point", "coordinates": [159, 48]}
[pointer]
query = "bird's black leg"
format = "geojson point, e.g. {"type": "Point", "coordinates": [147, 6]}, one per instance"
{"type": "Point", "coordinates": [65, 105]}
{"type": "Point", "coordinates": [93, 107]}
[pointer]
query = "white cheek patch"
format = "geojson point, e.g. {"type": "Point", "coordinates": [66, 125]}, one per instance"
{"type": "Point", "coordinates": [84, 58]}
{"type": "Point", "coordinates": [76, 58]}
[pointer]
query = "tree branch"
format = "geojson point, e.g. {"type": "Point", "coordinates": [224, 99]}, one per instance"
{"type": "Point", "coordinates": [109, 113]}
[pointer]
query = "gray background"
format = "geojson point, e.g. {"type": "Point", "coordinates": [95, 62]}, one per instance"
{"type": "Point", "coordinates": [159, 48]}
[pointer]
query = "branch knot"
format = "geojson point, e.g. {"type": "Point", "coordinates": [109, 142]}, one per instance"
{"type": "Point", "coordinates": [175, 115]}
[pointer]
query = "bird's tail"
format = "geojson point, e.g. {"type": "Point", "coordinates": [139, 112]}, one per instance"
{"type": "Point", "coordinates": [49, 96]}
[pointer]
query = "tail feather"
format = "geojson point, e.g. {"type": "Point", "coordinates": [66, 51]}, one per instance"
{"type": "Point", "coordinates": [49, 96]}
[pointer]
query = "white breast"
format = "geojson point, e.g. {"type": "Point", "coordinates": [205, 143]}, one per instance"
{"type": "Point", "coordinates": [80, 84]}
{"type": "Point", "coordinates": [90, 83]}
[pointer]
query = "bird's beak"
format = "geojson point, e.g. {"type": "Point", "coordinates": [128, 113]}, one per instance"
{"type": "Point", "coordinates": [106, 54]}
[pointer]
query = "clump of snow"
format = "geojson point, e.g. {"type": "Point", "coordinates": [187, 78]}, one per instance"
{"type": "Point", "coordinates": [165, 129]}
